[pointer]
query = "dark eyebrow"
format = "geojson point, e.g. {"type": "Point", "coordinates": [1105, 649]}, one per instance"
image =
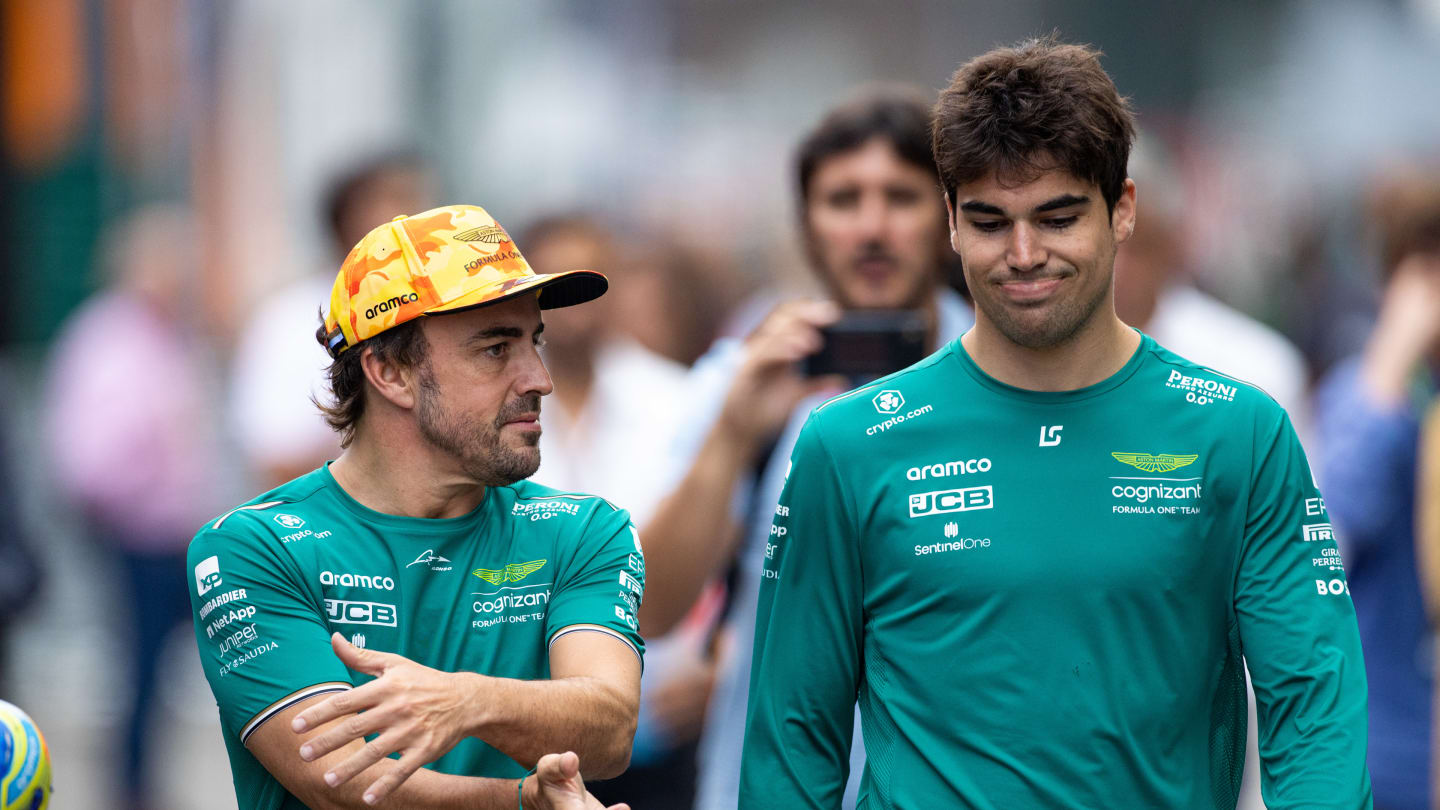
{"type": "Point", "coordinates": [977, 207]}
{"type": "Point", "coordinates": [495, 332]}
{"type": "Point", "coordinates": [1063, 201]}
{"type": "Point", "coordinates": [502, 332]}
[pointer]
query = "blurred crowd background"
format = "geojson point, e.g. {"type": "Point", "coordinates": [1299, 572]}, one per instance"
{"type": "Point", "coordinates": [181, 179]}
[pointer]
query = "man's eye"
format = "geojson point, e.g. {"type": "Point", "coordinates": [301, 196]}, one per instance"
{"type": "Point", "coordinates": [496, 350]}
{"type": "Point", "coordinates": [1060, 223]}
{"type": "Point", "coordinates": [986, 225]}
{"type": "Point", "coordinates": [842, 199]}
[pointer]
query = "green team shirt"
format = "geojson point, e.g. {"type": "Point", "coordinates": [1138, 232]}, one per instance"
{"type": "Point", "coordinates": [1043, 600]}
{"type": "Point", "coordinates": [487, 592]}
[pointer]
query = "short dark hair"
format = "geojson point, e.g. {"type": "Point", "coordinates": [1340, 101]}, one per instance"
{"type": "Point", "coordinates": [1024, 110]}
{"type": "Point", "coordinates": [897, 113]}
{"type": "Point", "coordinates": [553, 226]}
{"type": "Point", "coordinates": [403, 344]}
{"type": "Point", "coordinates": [1406, 212]}
{"type": "Point", "coordinates": [351, 185]}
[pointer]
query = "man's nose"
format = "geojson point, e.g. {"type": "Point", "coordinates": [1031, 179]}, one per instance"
{"type": "Point", "coordinates": [873, 220]}
{"type": "Point", "coordinates": [535, 378]}
{"type": "Point", "coordinates": [1025, 251]}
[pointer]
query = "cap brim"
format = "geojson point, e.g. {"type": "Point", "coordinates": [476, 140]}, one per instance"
{"type": "Point", "coordinates": [560, 290]}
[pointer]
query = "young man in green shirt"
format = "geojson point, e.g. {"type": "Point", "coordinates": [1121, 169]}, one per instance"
{"type": "Point", "coordinates": [1041, 558]}
{"type": "Point", "coordinates": [416, 596]}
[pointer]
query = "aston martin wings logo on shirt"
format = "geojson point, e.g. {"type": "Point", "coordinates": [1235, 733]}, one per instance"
{"type": "Point", "coordinates": [1161, 463]}
{"type": "Point", "coordinates": [514, 572]}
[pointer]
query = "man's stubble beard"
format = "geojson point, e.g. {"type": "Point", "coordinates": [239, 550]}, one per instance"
{"type": "Point", "coordinates": [1069, 318]}
{"type": "Point", "coordinates": [479, 449]}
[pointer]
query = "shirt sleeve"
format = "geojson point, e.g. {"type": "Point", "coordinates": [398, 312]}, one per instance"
{"type": "Point", "coordinates": [808, 629]}
{"type": "Point", "coordinates": [264, 642]}
{"type": "Point", "coordinates": [603, 584]}
{"type": "Point", "coordinates": [1298, 631]}
{"type": "Point", "coordinates": [1367, 461]}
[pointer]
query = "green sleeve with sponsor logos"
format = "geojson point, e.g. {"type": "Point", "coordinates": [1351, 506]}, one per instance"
{"type": "Point", "coordinates": [806, 666]}
{"type": "Point", "coordinates": [261, 635]}
{"type": "Point", "coordinates": [603, 582]}
{"type": "Point", "coordinates": [1298, 631]}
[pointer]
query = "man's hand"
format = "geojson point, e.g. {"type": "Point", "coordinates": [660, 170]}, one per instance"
{"type": "Point", "coordinates": [1408, 328]}
{"type": "Point", "coordinates": [558, 786]}
{"type": "Point", "coordinates": [416, 710]}
{"type": "Point", "coordinates": [768, 386]}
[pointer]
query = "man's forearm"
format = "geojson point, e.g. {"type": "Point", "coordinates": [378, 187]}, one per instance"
{"type": "Point", "coordinates": [430, 790]}
{"type": "Point", "coordinates": [692, 534]}
{"type": "Point", "coordinates": [527, 719]}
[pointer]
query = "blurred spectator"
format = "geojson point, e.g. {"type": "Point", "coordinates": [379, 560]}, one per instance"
{"type": "Point", "coordinates": [1154, 293]}
{"type": "Point", "coordinates": [676, 296]}
{"type": "Point", "coordinates": [875, 231]}
{"type": "Point", "coordinates": [19, 569]}
{"type": "Point", "coordinates": [616, 402]}
{"type": "Point", "coordinates": [1370, 407]}
{"type": "Point", "coordinates": [132, 437]}
{"type": "Point", "coordinates": [280, 430]}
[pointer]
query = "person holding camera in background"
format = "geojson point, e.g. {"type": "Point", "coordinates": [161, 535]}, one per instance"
{"type": "Point", "coordinates": [874, 228]}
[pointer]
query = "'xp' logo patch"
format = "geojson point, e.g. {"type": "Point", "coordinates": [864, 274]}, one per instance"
{"type": "Point", "coordinates": [289, 521]}
{"type": "Point", "coordinates": [888, 401]}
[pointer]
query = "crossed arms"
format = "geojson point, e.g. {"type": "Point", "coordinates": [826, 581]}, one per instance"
{"type": "Point", "coordinates": [588, 706]}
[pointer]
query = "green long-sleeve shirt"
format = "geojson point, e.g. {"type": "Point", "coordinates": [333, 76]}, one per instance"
{"type": "Point", "coordinates": [1042, 600]}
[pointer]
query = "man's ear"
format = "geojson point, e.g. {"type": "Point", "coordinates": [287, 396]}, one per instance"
{"type": "Point", "coordinates": [1122, 221]}
{"type": "Point", "coordinates": [950, 222]}
{"type": "Point", "coordinates": [390, 380]}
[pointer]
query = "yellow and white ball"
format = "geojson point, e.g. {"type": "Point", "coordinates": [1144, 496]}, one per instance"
{"type": "Point", "coordinates": [24, 762]}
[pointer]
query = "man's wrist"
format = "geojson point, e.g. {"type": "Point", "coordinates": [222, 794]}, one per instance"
{"type": "Point", "coordinates": [732, 445]}
{"type": "Point", "coordinates": [477, 710]}
{"type": "Point", "coordinates": [529, 790]}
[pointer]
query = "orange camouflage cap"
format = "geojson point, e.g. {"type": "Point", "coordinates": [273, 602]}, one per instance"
{"type": "Point", "coordinates": [443, 260]}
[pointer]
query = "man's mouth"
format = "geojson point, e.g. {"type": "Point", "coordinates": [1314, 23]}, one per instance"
{"type": "Point", "coordinates": [875, 268]}
{"type": "Point", "coordinates": [526, 421]}
{"type": "Point", "coordinates": [1031, 290]}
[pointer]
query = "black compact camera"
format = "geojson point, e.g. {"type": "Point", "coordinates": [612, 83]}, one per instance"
{"type": "Point", "coordinates": [868, 344]}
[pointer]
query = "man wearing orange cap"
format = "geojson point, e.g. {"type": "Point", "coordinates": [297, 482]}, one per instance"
{"type": "Point", "coordinates": [417, 592]}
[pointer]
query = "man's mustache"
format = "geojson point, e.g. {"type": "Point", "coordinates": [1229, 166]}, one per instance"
{"type": "Point", "coordinates": [516, 408]}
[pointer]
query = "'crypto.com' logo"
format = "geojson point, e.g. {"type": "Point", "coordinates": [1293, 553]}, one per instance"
{"type": "Point", "coordinates": [888, 401]}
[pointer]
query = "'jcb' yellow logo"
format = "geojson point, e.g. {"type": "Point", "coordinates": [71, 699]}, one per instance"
{"type": "Point", "coordinates": [514, 572]}
{"type": "Point", "coordinates": [1162, 463]}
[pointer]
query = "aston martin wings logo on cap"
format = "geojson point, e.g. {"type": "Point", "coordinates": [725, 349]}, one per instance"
{"type": "Point", "coordinates": [514, 572]}
{"type": "Point", "coordinates": [489, 234]}
{"type": "Point", "coordinates": [1161, 463]}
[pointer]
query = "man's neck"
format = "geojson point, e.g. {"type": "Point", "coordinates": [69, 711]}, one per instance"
{"type": "Point", "coordinates": [407, 479]}
{"type": "Point", "coordinates": [929, 310]}
{"type": "Point", "coordinates": [1093, 354]}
